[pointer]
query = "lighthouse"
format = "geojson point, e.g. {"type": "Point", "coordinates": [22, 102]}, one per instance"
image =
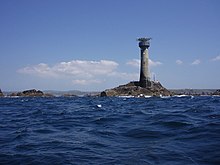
{"type": "Point", "coordinates": [144, 87]}
{"type": "Point", "coordinates": [144, 44]}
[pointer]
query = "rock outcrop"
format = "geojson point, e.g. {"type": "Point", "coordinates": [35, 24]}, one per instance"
{"type": "Point", "coordinates": [134, 89]}
{"type": "Point", "coordinates": [217, 92]}
{"type": "Point", "coordinates": [1, 93]}
{"type": "Point", "coordinates": [31, 93]}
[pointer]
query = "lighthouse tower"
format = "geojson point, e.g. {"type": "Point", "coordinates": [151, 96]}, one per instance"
{"type": "Point", "coordinates": [144, 44]}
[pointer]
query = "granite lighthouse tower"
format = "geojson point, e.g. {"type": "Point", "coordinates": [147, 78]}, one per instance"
{"type": "Point", "coordinates": [144, 87]}
{"type": "Point", "coordinates": [144, 44]}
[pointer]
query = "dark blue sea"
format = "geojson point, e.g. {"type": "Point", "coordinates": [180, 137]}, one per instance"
{"type": "Point", "coordinates": [110, 130]}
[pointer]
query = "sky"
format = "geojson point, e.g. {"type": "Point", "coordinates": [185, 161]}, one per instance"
{"type": "Point", "coordinates": [90, 45]}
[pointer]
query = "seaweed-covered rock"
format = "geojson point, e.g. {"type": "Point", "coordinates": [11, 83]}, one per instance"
{"type": "Point", "coordinates": [134, 89]}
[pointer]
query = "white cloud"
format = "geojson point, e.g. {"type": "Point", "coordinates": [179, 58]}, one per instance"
{"type": "Point", "coordinates": [217, 58]}
{"type": "Point", "coordinates": [74, 68]}
{"type": "Point", "coordinates": [86, 82]}
{"type": "Point", "coordinates": [136, 63]}
{"type": "Point", "coordinates": [84, 72]}
{"type": "Point", "coordinates": [125, 76]}
{"type": "Point", "coordinates": [196, 62]}
{"type": "Point", "coordinates": [80, 72]}
{"type": "Point", "coordinates": [154, 63]}
{"type": "Point", "coordinates": [179, 62]}
{"type": "Point", "coordinates": [40, 70]}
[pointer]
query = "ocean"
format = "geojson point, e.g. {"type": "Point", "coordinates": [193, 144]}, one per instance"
{"type": "Point", "coordinates": [110, 130]}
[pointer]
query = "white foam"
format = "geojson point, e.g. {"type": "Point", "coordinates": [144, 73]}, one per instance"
{"type": "Point", "coordinates": [165, 97]}
{"type": "Point", "coordinates": [126, 96]}
{"type": "Point", "coordinates": [181, 95]}
{"type": "Point", "coordinates": [99, 105]}
{"type": "Point", "coordinates": [145, 96]}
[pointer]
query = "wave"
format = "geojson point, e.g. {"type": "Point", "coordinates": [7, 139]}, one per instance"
{"type": "Point", "coordinates": [167, 130]}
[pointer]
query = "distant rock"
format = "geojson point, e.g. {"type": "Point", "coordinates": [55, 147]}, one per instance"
{"type": "Point", "coordinates": [133, 89]}
{"type": "Point", "coordinates": [69, 95]}
{"type": "Point", "coordinates": [217, 92]}
{"type": "Point", "coordinates": [72, 93]}
{"type": "Point", "coordinates": [1, 93]}
{"type": "Point", "coordinates": [193, 92]}
{"type": "Point", "coordinates": [31, 93]}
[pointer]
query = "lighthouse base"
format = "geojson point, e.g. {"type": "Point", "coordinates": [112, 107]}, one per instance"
{"type": "Point", "coordinates": [145, 84]}
{"type": "Point", "coordinates": [135, 89]}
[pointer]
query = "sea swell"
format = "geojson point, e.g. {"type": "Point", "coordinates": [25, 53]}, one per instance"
{"type": "Point", "coordinates": [111, 130]}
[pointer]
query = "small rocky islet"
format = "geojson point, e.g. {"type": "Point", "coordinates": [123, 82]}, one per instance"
{"type": "Point", "coordinates": [31, 93]}
{"type": "Point", "coordinates": [134, 89]}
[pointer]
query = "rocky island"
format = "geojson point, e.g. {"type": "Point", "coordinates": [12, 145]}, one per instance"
{"type": "Point", "coordinates": [31, 93]}
{"type": "Point", "coordinates": [134, 89]}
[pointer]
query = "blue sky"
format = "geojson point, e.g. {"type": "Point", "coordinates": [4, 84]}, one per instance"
{"type": "Point", "coordinates": [91, 44]}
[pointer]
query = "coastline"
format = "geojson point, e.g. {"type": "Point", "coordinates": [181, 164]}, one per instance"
{"type": "Point", "coordinates": [76, 93]}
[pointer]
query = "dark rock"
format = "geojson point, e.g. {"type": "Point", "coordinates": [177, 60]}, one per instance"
{"type": "Point", "coordinates": [217, 92]}
{"type": "Point", "coordinates": [31, 93]}
{"type": "Point", "coordinates": [103, 93]}
{"type": "Point", "coordinates": [133, 89]}
{"type": "Point", "coordinates": [1, 93]}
